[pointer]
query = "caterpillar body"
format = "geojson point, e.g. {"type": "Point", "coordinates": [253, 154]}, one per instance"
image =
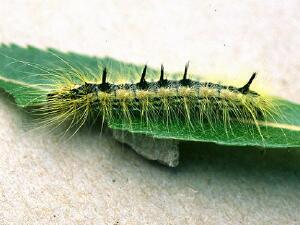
{"type": "Point", "coordinates": [187, 102]}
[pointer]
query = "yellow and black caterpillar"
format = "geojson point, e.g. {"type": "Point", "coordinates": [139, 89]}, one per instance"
{"type": "Point", "coordinates": [187, 101]}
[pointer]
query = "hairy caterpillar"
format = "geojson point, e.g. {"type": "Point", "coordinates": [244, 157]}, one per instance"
{"type": "Point", "coordinates": [76, 96]}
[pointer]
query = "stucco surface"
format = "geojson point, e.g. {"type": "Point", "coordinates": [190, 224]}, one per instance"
{"type": "Point", "coordinates": [92, 179]}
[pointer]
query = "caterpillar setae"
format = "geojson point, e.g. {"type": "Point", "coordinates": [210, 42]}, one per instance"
{"type": "Point", "coordinates": [76, 96]}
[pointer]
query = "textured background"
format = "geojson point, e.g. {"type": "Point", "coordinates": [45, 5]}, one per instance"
{"type": "Point", "coordinates": [92, 179]}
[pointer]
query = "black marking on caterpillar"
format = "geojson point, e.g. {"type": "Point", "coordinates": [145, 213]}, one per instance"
{"type": "Point", "coordinates": [107, 87]}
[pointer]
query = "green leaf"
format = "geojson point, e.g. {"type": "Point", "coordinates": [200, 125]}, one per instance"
{"type": "Point", "coordinates": [279, 132]}
{"type": "Point", "coordinates": [24, 80]}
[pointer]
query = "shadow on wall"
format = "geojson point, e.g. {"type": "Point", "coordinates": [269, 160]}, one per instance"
{"type": "Point", "coordinates": [232, 159]}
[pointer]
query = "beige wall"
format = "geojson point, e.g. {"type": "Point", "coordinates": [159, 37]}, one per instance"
{"type": "Point", "coordinates": [92, 179]}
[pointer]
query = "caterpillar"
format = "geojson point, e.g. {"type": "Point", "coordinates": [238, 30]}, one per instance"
{"type": "Point", "coordinates": [77, 96]}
